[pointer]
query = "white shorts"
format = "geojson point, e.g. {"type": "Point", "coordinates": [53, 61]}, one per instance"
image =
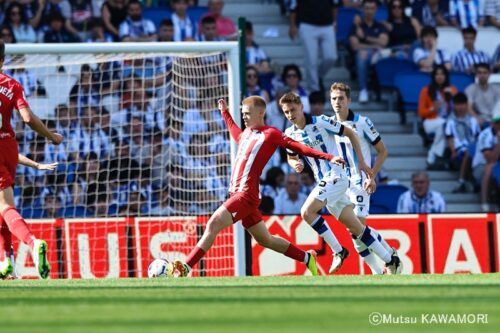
{"type": "Point", "coordinates": [332, 189]}
{"type": "Point", "coordinates": [359, 197]}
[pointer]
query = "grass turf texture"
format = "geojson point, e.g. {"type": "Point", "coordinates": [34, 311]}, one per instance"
{"type": "Point", "coordinates": [252, 304]}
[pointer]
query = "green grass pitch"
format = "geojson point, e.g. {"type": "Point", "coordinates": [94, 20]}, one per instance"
{"type": "Point", "coordinates": [251, 304]}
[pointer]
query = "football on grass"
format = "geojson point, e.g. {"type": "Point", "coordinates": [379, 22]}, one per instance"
{"type": "Point", "coordinates": [158, 268]}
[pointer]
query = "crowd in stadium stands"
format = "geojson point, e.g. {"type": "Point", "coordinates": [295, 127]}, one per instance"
{"type": "Point", "coordinates": [112, 168]}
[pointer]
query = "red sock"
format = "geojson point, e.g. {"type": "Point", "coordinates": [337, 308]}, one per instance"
{"type": "Point", "coordinates": [18, 226]}
{"type": "Point", "coordinates": [196, 254]}
{"type": "Point", "coordinates": [295, 253]}
{"type": "Point", "coordinates": [3, 241]}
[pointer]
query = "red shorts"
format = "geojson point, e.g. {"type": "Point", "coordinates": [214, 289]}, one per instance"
{"type": "Point", "coordinates": [243, 208]}
{"type": "Point", "coordinates": [8, 162]}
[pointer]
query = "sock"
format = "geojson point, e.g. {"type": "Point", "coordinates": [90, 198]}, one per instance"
{"type": "Point", "coordinates": [323, 229]}
{"type": "Point", "coordinates": [382, 241]}
{"type": "Point", "coordinates": [18, 226]}
{"type": "Point", "coordinates": [374, 245]}
{"type": "Point", "coordinates": [3, 242]}
{"type": "Point", "coordinates": [367, 256]}
{"type": "Point", "coordinates": [196, 254]}
{"type": "Point", "coordinates": [296, 254]}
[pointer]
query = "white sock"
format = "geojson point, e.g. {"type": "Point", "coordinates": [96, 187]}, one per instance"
{"type": "Point", "coordinates": [374, 245]}
{"type": "Point", "coordinates": [323, 229]}
{"type": "Point", "coordinates": [382, 241]}
{"type": "Point", "coordinates": [367, 256]}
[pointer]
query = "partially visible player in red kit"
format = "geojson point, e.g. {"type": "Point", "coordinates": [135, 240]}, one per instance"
{"type": "Point", "coordinates": [257, 143]}
{"type": "Point", "coordinates": [12, 97]}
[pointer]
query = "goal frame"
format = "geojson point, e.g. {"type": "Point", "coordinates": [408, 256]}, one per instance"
{"type": "Point", "coordinates": [231, 49]}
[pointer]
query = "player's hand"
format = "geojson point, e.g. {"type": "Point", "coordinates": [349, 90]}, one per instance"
{"type": "Point", "coordinates": [338, 160]}
{"type": "Point", "coordinates": [56, 138]}
{"type": "Point", "coordinates": [299, 166]}
{"type": "Point", "coordinates": [370, 186]}
{"type": "Point", "coordinates": [50, 166]}
{"type": "Point", "coordinates": [366, 169]}
{"type": "Point", "coordinates": [222, 105]}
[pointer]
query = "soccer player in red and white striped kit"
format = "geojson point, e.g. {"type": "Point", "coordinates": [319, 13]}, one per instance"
{"type": "Point", "coordinates": [12, 97]}
{"type": "Point", "coordinates": [256, 143]}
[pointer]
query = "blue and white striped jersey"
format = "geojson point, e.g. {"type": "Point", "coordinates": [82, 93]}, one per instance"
{"type": "Point", "coordinates": [368, 136]}
{"type": "Point", "coordinates": [320, 133]}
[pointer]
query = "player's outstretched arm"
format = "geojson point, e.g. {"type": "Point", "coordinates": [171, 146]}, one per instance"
{"type": "Point", "coordinates": [296, 163]}
{"type": "Point", "coordinates": [36, 124]}
{"type": "Point", "coordinates": [32, 164]}
{"type": "Point", "coordinates": [299, 148]}
{"type": "Point", "coordinates": [234, 130]}
{"type": "Point", "coordinates": [353, 137]}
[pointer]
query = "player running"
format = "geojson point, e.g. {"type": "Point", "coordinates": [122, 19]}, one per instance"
{"type": "Point", "coordinates": [7, 265]}
{"type": "Point", "coordinates": [322, 133]}
{"type": "Point", "coordinates": [360, 187]}
{"type": "Point", "coordinates": [12, 97]}
{"type": "Point", "coordinates": [257, 143]}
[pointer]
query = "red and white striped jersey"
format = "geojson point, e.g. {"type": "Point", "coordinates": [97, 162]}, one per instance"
{"type": "Point", "coordinates": [256, 146]}
{"type": "Point", "coordinates": [11, 97]}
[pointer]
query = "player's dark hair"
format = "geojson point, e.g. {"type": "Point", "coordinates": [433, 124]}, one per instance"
{"type": "Point", "coordinates": [460, 98]}
{"type": "Point", "coordinates": [290, 98]}
{"type": "Point", "coordinates": [317, 97]}
{"type": "Point", "coordinates": [428, 31]}
{"type": "Point", "coordinates": [342, 87]}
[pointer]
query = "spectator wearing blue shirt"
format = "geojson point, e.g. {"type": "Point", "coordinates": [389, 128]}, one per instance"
{"type": "Point", "coordinates": [427, 55]}
{"type": "Point", "coordinates": [367, 36]}
{"type": "Point", "coordinates": [420, 199]}
{"type": "Point", "coordinates": [135, 28]}
{"type": "Point", "coordinates": [466, 59]}
{"type": "Point", "coordinates": [433, 13]}
{"type": "Point", "coordinates": [184, 27]}
{"type": "Point", "coordinates": [466, 13]}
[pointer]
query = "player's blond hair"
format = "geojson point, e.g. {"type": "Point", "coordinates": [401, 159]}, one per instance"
{"type": "Point", "coordinates": [290, 98]}
{"type": "Point", "coordinates": [255, 102]}
{"type": "Point", "coordinates": [342, 87]}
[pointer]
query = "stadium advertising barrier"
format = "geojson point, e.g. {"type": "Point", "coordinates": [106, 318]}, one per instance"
{"type": "Point", "coordinates": [124, 247]}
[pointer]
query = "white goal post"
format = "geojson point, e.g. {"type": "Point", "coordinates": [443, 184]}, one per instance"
{"type": "Point", "coordinates": [54, 56]}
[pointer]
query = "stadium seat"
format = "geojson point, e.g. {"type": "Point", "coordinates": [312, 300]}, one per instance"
{"type": "Point", "coordinates": [495, 173]}
{"type": "Point", "coordinates": [385, 198]}
{"type": "Point", "coordinates": [59, 86]}
{"type": "Point", "coordinates": [409, 85]}
{"type": "Point", "coordinates": [461, 80]}
{"type": "Point", "coordinates": [387, 69]}
{"type": "Point", "coordinates": [487, 39]}
{"type": "Point", "coordinates": [345, 16]}
{"type": "Point", "coordinates": [43, 107]}
{"type": "Point", "coordinates": [382, 13]}
{"type": "Point", "coordinates": [450, 39]}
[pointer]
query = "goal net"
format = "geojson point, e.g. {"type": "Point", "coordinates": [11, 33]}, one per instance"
{"type": "Point", "coordinates": [146, 154]}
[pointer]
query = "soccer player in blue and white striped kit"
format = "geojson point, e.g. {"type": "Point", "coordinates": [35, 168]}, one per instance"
{"type": "Point", "coordinates": [321, 133]}
{"type": "Point", "coordinates": [360, 187]}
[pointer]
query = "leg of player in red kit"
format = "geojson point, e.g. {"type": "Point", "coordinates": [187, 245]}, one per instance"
{"type": "Point", "coordinates": [6, 265]}
{"type": "Point", "coordinates": [243, 210]}
{"type": "Point", "coordinates": [19, 228]}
